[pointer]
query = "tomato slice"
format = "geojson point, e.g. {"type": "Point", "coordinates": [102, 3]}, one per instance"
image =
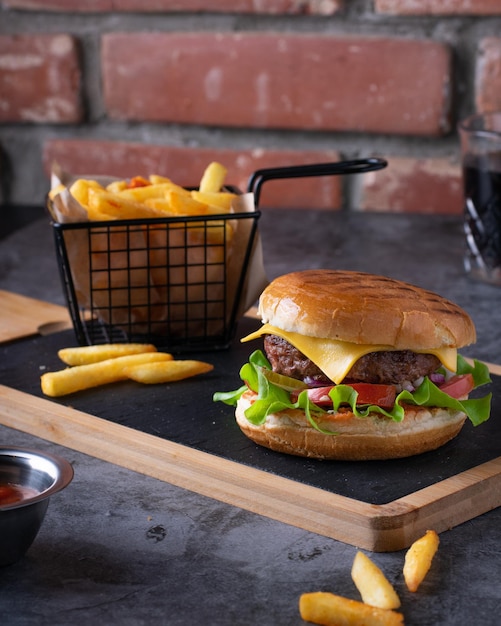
{"type": "Point", "coordinates": [368, 393]}
{"type": "Point", "coordinates": [384, 395]}
{"type": "Point", "coordinates": [380, 395]}
{"type": "Point", "coordinates": [458, 386]}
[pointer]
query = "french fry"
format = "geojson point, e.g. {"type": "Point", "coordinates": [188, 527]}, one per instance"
{"type": "Point", "coordinates": [221, 199]}
{"type": "Point", "coordinates": [213, 177]}
{"type": "Point", "coordinates": [181, 206]}
{"type": "Point", "coordinates": [162, 205]}
{"type": "Point", "coordinates": [372, 584]}
{"type": "Point", "coordinates": [155, 179]}
{"type": "Point", "coordinates": [168, 184]}
{"type": "Point", "coordinates": [141, 194]}
{"type": "Point", "coordinates": [167, 371]}
{"type": "Point", "coordinates": [104, 202]}
{"type": "Point", "coordinates": [116, 186]}
{"type": "Point", "coordinates": [215, 210]}
{"type": "Point", "coordinates": [418, 559]}
{"type": "Point", "coordinates": [186, 205]}
{"type": "Point", "coordinates": [333, 610]}
{"type": "Point", "coordinates": [81, 377]}
{"type": "Point", "coordinates": [80, 190]}
{"type": "Point", "coordinates": [95, 215]}
{"type": "Point", "coordinates": [83, 355]}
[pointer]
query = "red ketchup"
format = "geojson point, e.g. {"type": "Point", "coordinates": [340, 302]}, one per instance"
{"type": "Point", "coordinates": [12, 494]}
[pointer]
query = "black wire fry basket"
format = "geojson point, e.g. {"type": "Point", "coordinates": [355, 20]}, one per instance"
{"type": "Point", "coordinates": [176, 282]}
{"type": "Point", "coordinates": [164, 281]}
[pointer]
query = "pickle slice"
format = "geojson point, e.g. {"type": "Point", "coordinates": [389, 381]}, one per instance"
{"type": "Point", "coordinates": [282, 381]}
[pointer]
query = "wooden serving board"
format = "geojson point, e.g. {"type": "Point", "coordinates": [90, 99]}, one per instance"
{"type": "Point", "coordinates": [177, 434]}
{"type": "Point", "coordinates": [22, 316]}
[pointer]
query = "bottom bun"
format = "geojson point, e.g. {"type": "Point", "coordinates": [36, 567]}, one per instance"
{"type": "Point", "coordinates": [356, 439]}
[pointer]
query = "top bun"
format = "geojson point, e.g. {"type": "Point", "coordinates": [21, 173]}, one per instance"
{"type": "Point", "coordinates": [364, 309]}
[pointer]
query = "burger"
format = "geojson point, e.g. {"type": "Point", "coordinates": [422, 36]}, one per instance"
{"type": "Point", "coordinates": [357, 367]}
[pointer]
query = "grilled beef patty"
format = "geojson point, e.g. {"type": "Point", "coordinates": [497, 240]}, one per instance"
{"type": "Point", "coordinates": [391, 367]}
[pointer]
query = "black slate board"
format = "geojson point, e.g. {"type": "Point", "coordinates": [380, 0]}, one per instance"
{"type": "Point", "coordinates": [184, 413]}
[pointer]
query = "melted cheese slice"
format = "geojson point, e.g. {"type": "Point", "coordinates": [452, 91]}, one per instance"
{"type": "Point", "coordinates": [336, 358]}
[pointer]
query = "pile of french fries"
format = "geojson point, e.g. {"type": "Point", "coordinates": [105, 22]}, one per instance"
{"type": "Point", "coordinates": [379, 598]}
{"type": "Point", "coordinates": [91, 366]}
{"type": "Point", "coordinates": [152, 197]}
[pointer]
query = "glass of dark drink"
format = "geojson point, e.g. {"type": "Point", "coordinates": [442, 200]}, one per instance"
{"type": "Point", "coordinates": [480, 136]}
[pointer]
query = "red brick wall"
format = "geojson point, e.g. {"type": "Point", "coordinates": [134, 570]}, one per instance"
{"type": "Point", "coordinates": [140, 86]}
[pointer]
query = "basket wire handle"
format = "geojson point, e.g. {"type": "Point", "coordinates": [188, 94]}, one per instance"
{"type": "Point", "coordinates": [357, 166]}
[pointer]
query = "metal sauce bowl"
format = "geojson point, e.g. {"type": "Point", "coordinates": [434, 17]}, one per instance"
{"type": "Point", "coordinates": [20, 521]}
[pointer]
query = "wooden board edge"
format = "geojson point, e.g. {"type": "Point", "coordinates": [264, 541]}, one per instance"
{"type": "Point", "coordinates": [23, 316]}
{"type": "Point", "coordinates": [282, 499]}
{"type": "Point", "coordinates": [379, 528]}
{"type": "Point", "coordinates": [37, 306]}
{"type": "Point", "coordinates": [439, 507]}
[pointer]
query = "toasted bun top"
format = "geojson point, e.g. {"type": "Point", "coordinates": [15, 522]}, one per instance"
{"type": "Point", "coordinates": [364, 309]}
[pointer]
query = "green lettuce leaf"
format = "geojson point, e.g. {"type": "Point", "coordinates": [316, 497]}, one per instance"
{"type": "Point", "coordinates": [272, 399]}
